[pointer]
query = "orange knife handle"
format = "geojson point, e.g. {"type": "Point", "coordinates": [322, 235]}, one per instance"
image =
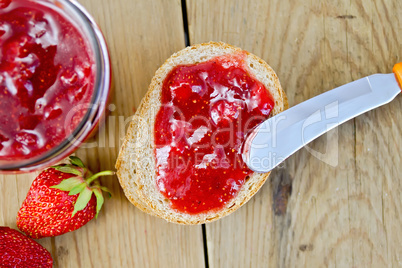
{"type": "Point", "coordinates": [398, 73]}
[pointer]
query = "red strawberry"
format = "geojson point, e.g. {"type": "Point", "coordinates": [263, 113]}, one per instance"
{"type": "Point", "coordinates": [17, 250]}
{"type": "Point", "coordinates": [61, 199]}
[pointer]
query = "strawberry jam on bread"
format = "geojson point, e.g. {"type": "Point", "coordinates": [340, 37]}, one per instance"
{"type": "Point", "coordinates": [181, 159]}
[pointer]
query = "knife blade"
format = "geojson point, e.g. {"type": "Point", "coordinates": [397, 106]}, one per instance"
{"type": "Point", "coordinates": [274, 140]}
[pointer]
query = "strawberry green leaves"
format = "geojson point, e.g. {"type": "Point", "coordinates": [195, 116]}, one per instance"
{"type": "Point", "coordinates": [77, 167]}
{"type": "Point", "coordinates": [99, 200]}
{"type": "Point", "coordinates": [77, 189]}
{"type": "Point", "coordinates": [76, 161]}
{"type": "Point", "coordinates": [103, 188]}
{"type": "Point", "coordinates": [82, 200]}
{"type": "Point", "coordinates": [69, 184]}
{"type": "Point", "coordinates": [68, 169]}
{"type": "Point", "coordinates": [84, 187]}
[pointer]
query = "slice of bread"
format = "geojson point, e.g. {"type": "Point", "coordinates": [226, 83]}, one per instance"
{"type": "Point", "coordinates": [136, 162]}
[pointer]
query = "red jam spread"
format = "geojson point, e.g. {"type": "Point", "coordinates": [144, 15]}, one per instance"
{"type": "Point", "coordinates": [207, 109]}
{"type": "Point", "coordinates": [46, 74]}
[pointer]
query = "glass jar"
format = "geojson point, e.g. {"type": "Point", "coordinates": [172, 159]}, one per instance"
{"type": "Point", "coordinates": [93, 111]}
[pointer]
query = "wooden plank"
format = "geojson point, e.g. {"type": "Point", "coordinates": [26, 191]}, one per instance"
{"type": "Point", "coordinates": [344, 215]}
{"type": "Point", "coordinates": [140, 35]}
{"type": "Point", "coordinates": [377, 187]}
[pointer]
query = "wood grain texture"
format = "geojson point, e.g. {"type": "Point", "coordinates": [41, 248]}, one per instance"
{"type": "Point", "coordinates": [141, 35]}
{"type": "Point", "coordinates": [346, 214]}
{"type": "Point", "coordinates": [311, 213]}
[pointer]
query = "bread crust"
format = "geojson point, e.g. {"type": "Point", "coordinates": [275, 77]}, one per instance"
{"type": "Point", "coordinates": [137, 177]}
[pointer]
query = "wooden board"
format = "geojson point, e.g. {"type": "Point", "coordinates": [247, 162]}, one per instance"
{"type": "Point", "coordinates": [140, 35]}
{"type": "Point", "coordinates": [345, 215]}
{"type": "Point", "coordinates": [342, 209]}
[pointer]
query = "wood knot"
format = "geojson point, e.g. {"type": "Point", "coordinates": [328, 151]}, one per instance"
{"type": "Point", "coordinates": [346, 17]}
{"type": "Point", "coordinates": [308, 247]}
{"type": "Point", "coordinates": [62, 251]}
{"type": "Point", "coordinates": [282, 192]}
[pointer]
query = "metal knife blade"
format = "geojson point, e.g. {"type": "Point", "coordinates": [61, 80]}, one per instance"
{"type": "Point", "coordinates": [277, 138]}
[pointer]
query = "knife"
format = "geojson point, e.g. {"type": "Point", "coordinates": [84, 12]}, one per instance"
{"type": "Point", "coordinates": [274, 140]}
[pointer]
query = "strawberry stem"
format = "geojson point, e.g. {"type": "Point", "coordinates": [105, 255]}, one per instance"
{"type": "Point", "coordinates": [97, 175]}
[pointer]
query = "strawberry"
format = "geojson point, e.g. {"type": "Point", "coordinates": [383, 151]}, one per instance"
{"type": "Point", "coordinates": [17, 250]}
{"type": "Point", "coordinates": [61, 199]}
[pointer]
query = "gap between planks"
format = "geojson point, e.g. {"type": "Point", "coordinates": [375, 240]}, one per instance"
{"type": "Point", "coordinates": [187, 43]}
